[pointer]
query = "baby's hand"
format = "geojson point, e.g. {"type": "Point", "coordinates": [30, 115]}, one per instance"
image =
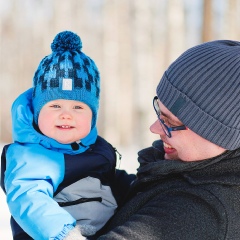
{"type": "Point", "coordinates": [80, 230]}
{"type": "Point", "coordinates": [75, 234]}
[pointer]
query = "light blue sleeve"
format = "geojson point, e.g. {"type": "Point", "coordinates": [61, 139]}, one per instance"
{"type": "Point", "coordinates": [32, 175]}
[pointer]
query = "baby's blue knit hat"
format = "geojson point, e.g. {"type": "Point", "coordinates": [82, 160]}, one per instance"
{"type": "Point", "coordinates": [67, 73]}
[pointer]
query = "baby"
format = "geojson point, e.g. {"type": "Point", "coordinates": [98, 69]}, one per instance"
{"type": "Point", "coordinates": [58, 170]}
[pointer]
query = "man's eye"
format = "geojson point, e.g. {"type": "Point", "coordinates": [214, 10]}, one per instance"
{"type": "Point", "coordinates": [168, 123]}
{"type": "Point", "coordinates": [171, 124]}
{"type": "Point", "coordinates": [165, 120]}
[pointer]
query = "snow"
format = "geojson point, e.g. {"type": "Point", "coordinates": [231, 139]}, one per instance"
{"type": "Point", "coordinates": [5, 230]}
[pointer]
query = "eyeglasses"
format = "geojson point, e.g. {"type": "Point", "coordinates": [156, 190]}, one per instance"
{"type": "Point", "coordinates": [167, 130]}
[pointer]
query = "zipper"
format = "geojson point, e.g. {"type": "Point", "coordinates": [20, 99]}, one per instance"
{"type": "Point", "coordinates": [80, 200]}
{"type": "Point", "coordinates": [118, 158]}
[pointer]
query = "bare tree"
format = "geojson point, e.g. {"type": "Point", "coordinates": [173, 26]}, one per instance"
{"type": "Point", "coordinates": [132, 43]}
{"type": "Point", "coordinates": [176, 29]}
{"type": "Point", "coordinates": [232, 21]}
{"type": "Point", "coordinates": [207, 33]}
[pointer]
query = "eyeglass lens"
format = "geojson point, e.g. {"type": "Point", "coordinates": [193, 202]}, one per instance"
{"type": "Point", "coordinates": [157, 110]}
{"type": "Point", "coordinates": [156, 106]}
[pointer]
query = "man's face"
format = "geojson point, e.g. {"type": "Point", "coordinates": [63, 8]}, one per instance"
{"type": "Point", "coordinates": [66, 121]}
{"type": "Point", "coordinates": [184, 145]}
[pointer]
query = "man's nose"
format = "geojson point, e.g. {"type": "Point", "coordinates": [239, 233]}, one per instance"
{"type": "Point", "coordinates": [156, 128]}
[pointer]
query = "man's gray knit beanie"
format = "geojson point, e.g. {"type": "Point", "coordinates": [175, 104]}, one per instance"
{"type": "Point", "coordinates": [202, 88]}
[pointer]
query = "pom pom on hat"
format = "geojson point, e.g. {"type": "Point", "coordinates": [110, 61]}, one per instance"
{"type": "Point", "coordinates": [66, 41]}
{"type": "Point", "coordinates": [68, 74]}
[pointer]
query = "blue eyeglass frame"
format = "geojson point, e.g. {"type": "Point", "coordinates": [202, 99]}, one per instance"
{"type": "Point", "coordinates": [167, 130]}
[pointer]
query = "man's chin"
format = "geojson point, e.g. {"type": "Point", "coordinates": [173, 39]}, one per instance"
{"type": "Point", "coordinates": [171, 156]}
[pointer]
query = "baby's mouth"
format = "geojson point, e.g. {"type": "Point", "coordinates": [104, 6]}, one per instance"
{"type": "Point", "coordinates": [65, 126]}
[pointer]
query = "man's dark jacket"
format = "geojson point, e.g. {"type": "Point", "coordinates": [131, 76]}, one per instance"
{"type": "Point", "coordinates": [181, 200]}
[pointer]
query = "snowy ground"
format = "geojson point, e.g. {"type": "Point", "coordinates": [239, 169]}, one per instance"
{"type": "Point", "coordinates": [128, 162]}
{"type": "Point", "coordinates": [5, 230]}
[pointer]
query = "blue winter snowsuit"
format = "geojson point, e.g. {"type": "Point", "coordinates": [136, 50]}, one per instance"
{"type": "Point", "coordinates": [51, 185]}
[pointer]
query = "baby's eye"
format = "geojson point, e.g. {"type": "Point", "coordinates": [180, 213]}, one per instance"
{"type": "Point", "coordinates": [77, 107]}
{"type": "Point", "coordinates": [55, 106]}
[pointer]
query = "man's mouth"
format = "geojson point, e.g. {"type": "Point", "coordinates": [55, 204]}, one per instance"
{"type": "Point", "coordinates": [168, 149]}
{"type": "Point", "coordinates": [167, 145]}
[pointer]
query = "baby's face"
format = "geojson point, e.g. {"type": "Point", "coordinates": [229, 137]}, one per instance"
{"type": "Point", "coordinates": [66, 121]}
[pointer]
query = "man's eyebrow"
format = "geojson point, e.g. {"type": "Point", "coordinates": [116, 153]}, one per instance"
{"type": "Point", "coordinates": [170, 118]}
{"type": "Point", "coordinates": [164, 114]}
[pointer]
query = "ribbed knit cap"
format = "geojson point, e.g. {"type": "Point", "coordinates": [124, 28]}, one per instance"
{"type": "Point", "coordinates": [67, 73]}
{"type": "Point", "coordinates": [202, 89]}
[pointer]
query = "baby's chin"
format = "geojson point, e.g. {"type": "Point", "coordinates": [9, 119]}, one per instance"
{"type": "Point", "coordinates": [65, 139]}
{"type": "Point", "coordinates": [61, 141]}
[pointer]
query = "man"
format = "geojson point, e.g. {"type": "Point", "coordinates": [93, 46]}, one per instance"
{"type": "Point", "coordinates": [188, 183]}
